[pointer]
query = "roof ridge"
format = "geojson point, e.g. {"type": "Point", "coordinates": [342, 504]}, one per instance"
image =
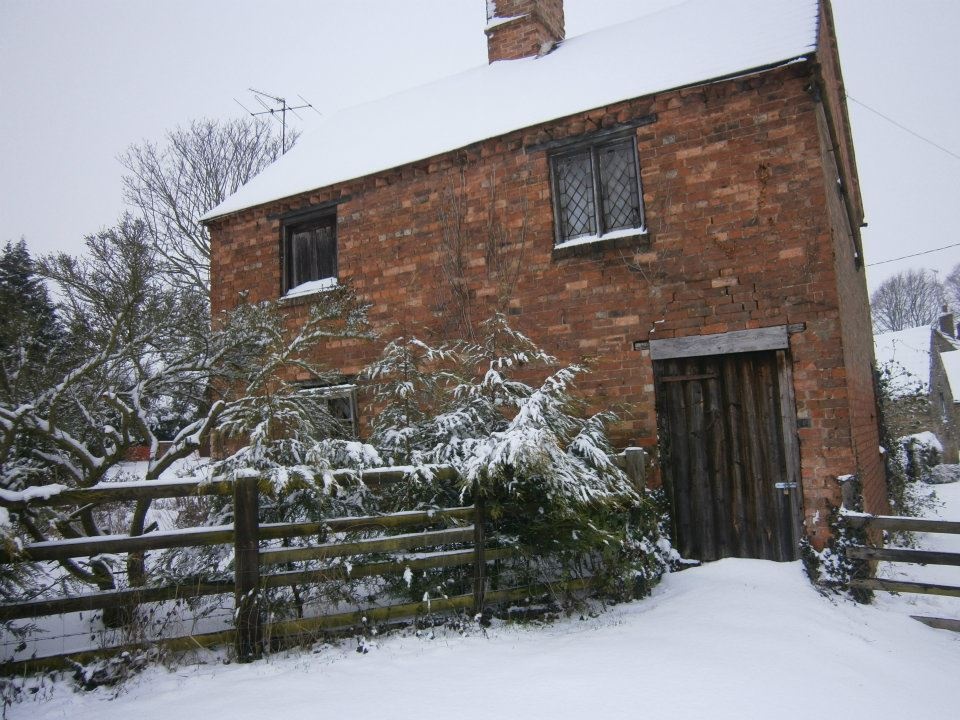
{"type": "Point", "coordinates": [640, 57]}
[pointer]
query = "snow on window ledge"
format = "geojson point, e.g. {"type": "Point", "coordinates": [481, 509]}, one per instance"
{"type": "Point", "coordinates": [588, 239]}
{"type": "Point", "coordinates": [313, 287]}
{"type": "Point", "coordinates": [595, 243]}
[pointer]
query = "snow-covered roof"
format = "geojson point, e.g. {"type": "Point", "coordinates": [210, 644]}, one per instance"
{"type": "Point", "coordinates": [951, 365]}
{"type": "Point", "coordinates": [906, 354]}
{"type": "Point", "coordinates": [694, 42]}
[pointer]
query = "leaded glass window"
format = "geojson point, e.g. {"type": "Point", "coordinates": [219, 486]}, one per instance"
{"type": "Point", "coordinates": [596, 189]}
{"type": "Point", "coordinates": [575, 195]}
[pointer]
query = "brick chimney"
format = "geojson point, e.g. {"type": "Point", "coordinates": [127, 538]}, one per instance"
{"type": "Point", "coordinates": [523, 28]}
{"type": "Point", "coordinates": [947, 326]}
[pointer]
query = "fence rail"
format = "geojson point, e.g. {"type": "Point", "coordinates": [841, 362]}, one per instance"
{"type": "Point", "coordinates": [251, 562]}
{"type": "Point", "coordinates": [895, 523]}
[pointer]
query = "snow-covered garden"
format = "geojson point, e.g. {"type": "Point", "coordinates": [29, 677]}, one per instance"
{"type": "Point", "coordinates": [732, 639]}
{"type": "Point", "coordinates": [735, 638]}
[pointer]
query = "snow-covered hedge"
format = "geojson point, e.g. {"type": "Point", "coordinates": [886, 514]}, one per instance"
{"type": "Point", "coordinates": [942, 474]}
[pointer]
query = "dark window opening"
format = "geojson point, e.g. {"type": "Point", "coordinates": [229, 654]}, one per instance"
{"type": "Point", "coordinates": [596, 190]}
{"type": "Point", "coordinates": [310, 251]}
{"type": "Point", "coordinates": [341, 403]}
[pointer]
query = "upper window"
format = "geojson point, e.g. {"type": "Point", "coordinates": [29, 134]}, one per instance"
{"type": "Point", "coordinates": [310, 253]}
{"type": "Point", "coordinates": [596, 190]}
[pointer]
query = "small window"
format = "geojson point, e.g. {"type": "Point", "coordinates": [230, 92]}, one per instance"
{"type": "Point", "coordinates": [341, 402]}
{"type": "Point", "coordinates": [596, 190]}
{"type": "Point", "coordinates": [310, 253]}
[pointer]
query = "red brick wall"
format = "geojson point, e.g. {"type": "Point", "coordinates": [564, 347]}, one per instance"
{"type": "Point", "coordinates": [835, 103]}
{"type": "Point", "coordinates": [857, 336]}
{"type": "Point", "coordinates": [740, 236]}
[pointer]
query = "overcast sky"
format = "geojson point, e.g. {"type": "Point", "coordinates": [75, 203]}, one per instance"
{"type": "Point", "coordinates": [82, 80]}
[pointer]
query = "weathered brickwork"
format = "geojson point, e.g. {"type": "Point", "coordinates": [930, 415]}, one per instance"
{"type": "Point", "coordinates": [744, 231]}
{"type": "Point", "coordinates": [860, 411]}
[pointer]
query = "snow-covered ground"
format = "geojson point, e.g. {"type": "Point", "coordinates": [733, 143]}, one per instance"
{"type": "Point", "coordinates": [733, 639]}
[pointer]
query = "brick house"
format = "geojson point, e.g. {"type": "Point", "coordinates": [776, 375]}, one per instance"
{"type": "Point", "coordinates": [945, 385]}
{"type": "Point", "coordinates": [922, 365]}
{"type": "Point", "coordinates": [679, 197]}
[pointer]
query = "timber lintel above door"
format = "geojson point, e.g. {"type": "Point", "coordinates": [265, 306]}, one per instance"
{"type": "Point", "coordinates": [736, 341]}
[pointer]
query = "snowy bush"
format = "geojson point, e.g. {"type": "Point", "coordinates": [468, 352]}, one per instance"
{"type": "Point", "coordinates": [410, 382]}
{"type": "Point", "coordinates": [942, 474]}
{"type": "Point", "coordinates": [114, 670]}
{"type": "Point", "coordinates": [831, 569]}
{"type": "Point", "coordinates": [525, 450]}
{"type": "Point", "coordinates": [918, 453]}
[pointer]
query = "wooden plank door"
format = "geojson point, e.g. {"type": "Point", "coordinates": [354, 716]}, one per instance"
{"type": "Point", "coordinates": [724, 450]}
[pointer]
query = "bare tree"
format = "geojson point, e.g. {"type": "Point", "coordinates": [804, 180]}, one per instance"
{"type": "Point", "coordinates": [172, 184]}
{"type": "Point", "coordinates": [908, 299]}
{"type": "Point", "coordinates": [951, 287]}
{"type": "Point", "coordinates": [137, 364]}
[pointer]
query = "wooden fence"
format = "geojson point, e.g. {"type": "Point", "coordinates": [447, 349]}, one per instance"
{"type": "Point", "coordinates": [906, 555]}
{"type": "Point", "coordinates": [462, 527]}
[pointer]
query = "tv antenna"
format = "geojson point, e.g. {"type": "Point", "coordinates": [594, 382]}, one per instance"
{"type": "Point", "coordinates": [280, 108]}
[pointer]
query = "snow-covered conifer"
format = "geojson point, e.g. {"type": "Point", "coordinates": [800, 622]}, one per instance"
{"type": "Point", "coordinates": [409, 384]}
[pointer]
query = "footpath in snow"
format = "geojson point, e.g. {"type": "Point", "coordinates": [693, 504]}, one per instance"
{"type": "Point", "coordinates": [733, 639]}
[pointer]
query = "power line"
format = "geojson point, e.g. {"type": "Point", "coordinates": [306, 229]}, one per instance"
{"type": "Point", "coordinates": [905, 129]}
{"type": "Point", "coordinates": [904, 257]}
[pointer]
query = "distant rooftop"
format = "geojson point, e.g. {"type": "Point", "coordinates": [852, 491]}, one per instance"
{"type": "Point", "coordinates": [694, 42]}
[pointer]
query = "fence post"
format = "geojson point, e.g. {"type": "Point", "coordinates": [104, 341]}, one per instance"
{"type": "Point", "coordinates": [479, 551]}
{"type": "Point", "coordinates": [246, 528]}
{"type": "Point", "coordinates": [635, 465]}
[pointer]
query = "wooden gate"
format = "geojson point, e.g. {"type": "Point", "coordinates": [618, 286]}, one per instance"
{"type": "Point", "coordinates": [729, 454]}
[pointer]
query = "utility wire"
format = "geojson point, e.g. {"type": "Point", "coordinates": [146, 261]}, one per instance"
{"type": "Point", "coordinates": [905, 129]}
{"type": "Point", "coordinates": [904, 257]}
{"type": "Point", "coordinates": [917, 135]}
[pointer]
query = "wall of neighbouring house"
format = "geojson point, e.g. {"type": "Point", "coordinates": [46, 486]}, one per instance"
{"type": "Point", "coordinates": [909, 414]}
{"type": "Point", "coordinates": [740, 236]}
{"type": "Point", "coordinates": [944, 411]}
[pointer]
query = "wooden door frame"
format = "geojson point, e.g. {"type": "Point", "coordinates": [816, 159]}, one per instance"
{"type": "Point", "coordinates": [791, 438]}
{"type": "Point", "coordinates": [774, 339]}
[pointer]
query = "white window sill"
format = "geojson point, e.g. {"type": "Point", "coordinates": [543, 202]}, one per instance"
{"type": "Point", "coordinates": [590, 239]}
{"type": "Point", "coordinates": [310, 288]}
